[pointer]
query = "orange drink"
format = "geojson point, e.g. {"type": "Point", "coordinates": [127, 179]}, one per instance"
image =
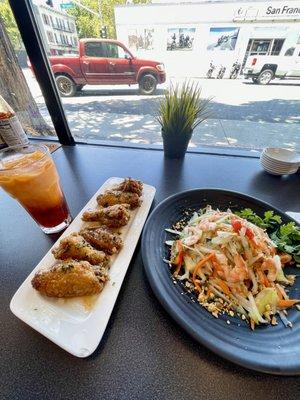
{"type": "Point", "coordinates": [28, 174]}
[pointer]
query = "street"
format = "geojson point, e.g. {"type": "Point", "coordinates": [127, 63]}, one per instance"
{"type": "Point", "coordinates": [242, 114]}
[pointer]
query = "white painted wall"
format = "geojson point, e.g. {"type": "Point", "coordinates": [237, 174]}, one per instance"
{"type": "Point", "coordinates": [204, 16]}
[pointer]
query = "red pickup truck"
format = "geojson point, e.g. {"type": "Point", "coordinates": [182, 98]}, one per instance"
{"type": "Point", "coordinates": [105, 62]}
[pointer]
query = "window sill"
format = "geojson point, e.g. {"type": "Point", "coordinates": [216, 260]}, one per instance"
{"type": "Point", "coordinates": [215, 150]}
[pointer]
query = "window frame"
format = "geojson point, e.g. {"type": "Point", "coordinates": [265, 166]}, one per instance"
{"type": "Point", "coordinates": [31, 36]}
{"type": "Point", "coordinates": [33, 43]}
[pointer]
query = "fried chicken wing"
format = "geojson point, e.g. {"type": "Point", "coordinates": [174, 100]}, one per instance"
{"type": "Point", "coordinates": [75, 246]}
{"type": "Point", "coordinates": [130, 185]}
{"type": "Point", "coordinates": [114, 216]}
{"type": "Point", "coordinates": [111, 197]}
{"type": "Point", "coordinates": [70, 279]}
{"type": "Point", "coordinates": [103, 239]}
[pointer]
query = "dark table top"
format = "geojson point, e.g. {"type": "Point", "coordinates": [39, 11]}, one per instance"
{"type": "Point", "coordinates": [143, 354]}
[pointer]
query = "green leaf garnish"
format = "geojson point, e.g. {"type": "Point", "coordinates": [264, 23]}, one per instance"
{"type": "Point", "coordinates": [286, 236]}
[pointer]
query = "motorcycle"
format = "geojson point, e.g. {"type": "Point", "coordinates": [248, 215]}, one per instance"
{"type": "Point", "coordinates": [235, 69]}
{"type": "Point", "coordinates": [188, 42]}
{"type": "Point", "coordinates": [210, 71]}
{"type": "Point", "coordinates": [221, 72]}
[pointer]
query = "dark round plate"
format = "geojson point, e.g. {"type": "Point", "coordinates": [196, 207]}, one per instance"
{"type": "Point", "coordinates": [271, 349]}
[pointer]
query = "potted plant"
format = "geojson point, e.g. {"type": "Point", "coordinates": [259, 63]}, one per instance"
{"type": "Point", "coordinates": [180, 112]}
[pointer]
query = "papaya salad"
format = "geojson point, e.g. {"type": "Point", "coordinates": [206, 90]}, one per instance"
{"type": "Point", "coordinates": [232, 266]}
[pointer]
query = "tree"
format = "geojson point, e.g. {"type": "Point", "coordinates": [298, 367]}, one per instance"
{"type": "Point", "coordinates": [10, 24]}
{"type": "Point", "coordinates": [88, 25]}
{"type": "Point", "coordinates": [14, 89]}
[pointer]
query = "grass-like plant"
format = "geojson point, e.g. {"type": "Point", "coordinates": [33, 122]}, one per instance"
{"type": "Point", "coordinates": [182, 109]}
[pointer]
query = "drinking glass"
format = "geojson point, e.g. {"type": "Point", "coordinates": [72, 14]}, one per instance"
{"type": "Point", "coordinates": [28, 174]}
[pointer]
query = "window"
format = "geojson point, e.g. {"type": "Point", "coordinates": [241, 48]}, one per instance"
{"type": "Point", "coordinates": [50, 36]}
{"type": "Point", "coordinates": [290, 52]}
{"type": "Point", "coordinates": [260, 47]}
{"type": "Point", "coordinates": [45, 19]}
{"type": "Point", "coordinates": [277, 46]}
{"type": "Point", "coordinates": [245, 113]}
{"type": "Point", "coordinates": [104, 49]}
{"type": "Point", "coordinates": [22, 92]}
{"type": "Point", "coordinates": [95, 49]}
{"type": "Point", "coordinates": [112, 50]}
{"type": "Point", "coordinates": [115, 51]}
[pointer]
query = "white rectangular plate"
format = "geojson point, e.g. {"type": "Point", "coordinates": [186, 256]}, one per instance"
{"type": "Point", "coordinates": [77, 325]}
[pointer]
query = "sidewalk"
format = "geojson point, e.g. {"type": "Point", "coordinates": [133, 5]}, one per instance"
{"type": "Point", "coordinates": [143, 129]}
{"type": "Point", "coordinates": [253, 116]}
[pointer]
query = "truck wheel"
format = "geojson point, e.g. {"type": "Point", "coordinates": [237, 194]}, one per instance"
{"type": "Point", "coordinates": [265, 77]}
{"type": "Point", "coordinates": [65, 85]}
{"type": "Point", "coordinates": [147, 84]}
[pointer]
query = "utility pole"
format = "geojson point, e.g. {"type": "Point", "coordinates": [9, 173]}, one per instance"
{"type": "Point", "coordinates": [100, 13]}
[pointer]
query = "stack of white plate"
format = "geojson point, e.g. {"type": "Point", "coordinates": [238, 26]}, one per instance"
{"type": "Point", "coordinates": [278, 161]}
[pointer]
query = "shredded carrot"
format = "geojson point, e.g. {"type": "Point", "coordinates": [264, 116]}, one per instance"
{"type": "Point", "coordinates": [252, 324]}
{"type": "Point", "coordinates": [223, 286]}
{"type": "Point", "coordinates": [263, 279]}
{"type": "Point", "coordinates": [217, 268]}
{"type": "Point", "coordinates": [199, 265]}
{"type": "Point", "coordinates": [287, 303]}
{"type": "Point", "coordinates": [254, 243]}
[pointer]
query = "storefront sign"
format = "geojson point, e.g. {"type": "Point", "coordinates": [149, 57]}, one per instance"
{"type": "Point", "coordinates": [252, 13]}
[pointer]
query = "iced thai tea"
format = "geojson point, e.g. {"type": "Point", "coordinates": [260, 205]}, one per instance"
{"type": "Point", "coordinates": [28, 174]}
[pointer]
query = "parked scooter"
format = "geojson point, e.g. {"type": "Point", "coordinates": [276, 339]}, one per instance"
{"type": "Point", "coordinates": [235, 69]}
{"type": "Point", "coordinates": [221, 72]}
{"type": "Point", "coordinates": [210, 71]}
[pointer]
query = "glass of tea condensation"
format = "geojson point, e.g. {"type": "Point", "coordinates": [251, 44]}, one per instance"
{"type": "Point", "coordinates": [28, 174]}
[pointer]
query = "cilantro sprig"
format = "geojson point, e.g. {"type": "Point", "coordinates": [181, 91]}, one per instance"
{"type": "Point", "coordinates": [287, 239]}
{"type": "Point", "coordinates": [286, 236]}
{"type": "Point", "coordinates": [269, 221]}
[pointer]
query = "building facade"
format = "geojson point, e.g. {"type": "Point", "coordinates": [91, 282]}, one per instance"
{"type": "Point", "coordinates": [58, 30]}
{"type": "Point", "coordinates": [187, 37]}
